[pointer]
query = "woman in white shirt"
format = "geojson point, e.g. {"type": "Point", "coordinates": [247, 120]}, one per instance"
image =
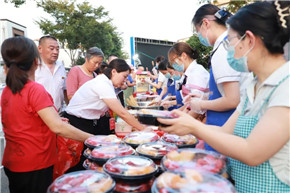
{"type": "Point", "coordinates": [94, 98]}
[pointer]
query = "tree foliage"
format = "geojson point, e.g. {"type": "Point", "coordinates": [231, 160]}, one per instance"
{"type": "Point", "coordinates": [17, 3]}
{"type": "Point", "coordinates": [79, 27]}
{"type": "Point", "coordinates": [203, 51]}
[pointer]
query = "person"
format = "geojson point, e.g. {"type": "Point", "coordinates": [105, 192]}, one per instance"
{"type": "Point", "coordinates": [111, 57]}
{"type": "Point", "coordinates": [92, 100]}
{"type": "Point", "coordinates": [131, 82]}
{"type": "Point", "coordinates": [101, 68]}
{"type": "Point", "coordinates": [183, 59]}
{"type": "Point", "coordinates": [225, 84]}
{"type": "Point", "coordinates": [30, 121]}
{"type": "Point", "coordinates": [155, 64]}
{"type": "Point", "coordinates": [78, 75]}
{"type": "Point", "coordinates": [256, 137]}
{"type": "Point", "coordinates": [51, 73]}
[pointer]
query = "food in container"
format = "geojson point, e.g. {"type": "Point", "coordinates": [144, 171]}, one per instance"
{"type": "Point", "coordinates": [181, 141]}
{"type": "Point", "coordinates": [85, 181]}
{"type": "Point", "coordinates": [130, 167]}
{"type": "Point", "coordinates": [102, 153]}
{"type": "Point", "coordinates": [149, 116]}
{"type": "Point", "coordinates": [140, 186]}
{"type": "Point", "coordinates": [99, 140]}
{"type": "Point", "coordinates": [139, 137]}
{"type": "Point", "coordinates": [191, 181]}
{"type": "Point", "coordinates": [91, 165]}
{"type": "Point", "coordinates": [198, 159]}
{"type": "Point", "coordinates": [156, 149]}
{"type": "Point", "coordinates": [122, 128]}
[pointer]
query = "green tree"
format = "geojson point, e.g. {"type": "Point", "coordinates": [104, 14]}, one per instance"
{"type": "Point", "coordinates": [203, 51]}
{"type": "Point", "coordinates": [79, 27]}
{"type": "Point", "coordinates": [16, 3]}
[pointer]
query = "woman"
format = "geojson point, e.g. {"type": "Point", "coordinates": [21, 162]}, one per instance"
{"type": "Point", "coordinates": [183, 59]}
{"type": "Point", "coordinates": [78, 75]}
{"type": "Point", "coordinates": [225, 83]}
{"type": "Point", "coordinates": [256, 137]}
{"type": "Point", "coordinates": [91, 101]}
{"type": "Point", "coordinates": [30, 121]}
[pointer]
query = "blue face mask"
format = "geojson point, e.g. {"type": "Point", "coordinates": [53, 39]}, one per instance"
{"type": "Point", "coordinates": [167, 75]}
{"type": "Point", "coordinates": [176, 77]}
{"type": "Point", "coordinates": [178, 68]}
{"type": "Point", "coordinates": [239, 64]}
{"type": "Point", "coordinates": [203, 41]}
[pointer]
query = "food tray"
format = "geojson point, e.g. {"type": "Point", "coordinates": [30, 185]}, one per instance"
{"type": "Point", "coordinates": [149, 116]}
{"type": "Point", "coordinates": [85, 181]}
{"type": "Point", "coordinates": [139, 137]}
{"type": "Point", "coordinates": [91, 165]}
{"type": "Point", "coordinates": [184, 141]}
{"type": "Point", "coordinates": [102, 153]}
{"type": "Point", "coordinates": [191, 181]}
{"type": "Point", "coordinates": [130, 167]}
{"type": "Point", "coordinates": [198, 159]}
{"type": "Point", "coordinates": [99, 140]}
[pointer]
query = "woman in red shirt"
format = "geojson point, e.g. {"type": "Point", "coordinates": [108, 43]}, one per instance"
{"type": "Point", "coordinates": [30, 121]}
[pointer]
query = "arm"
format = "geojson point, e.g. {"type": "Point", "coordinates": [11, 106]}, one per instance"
{"type": "Point", "coordinates": [51, 118]}
{"type": "Point", "coordinates": [269, 135]}
{"type": "Point", "coordinates": [229, 101]}
{"type": "Point", "coordinates": [115, 105]}
{"type": "Point", "coordinates": [158, 85]}
{"type": "Point", "coordinates": [71, 83]}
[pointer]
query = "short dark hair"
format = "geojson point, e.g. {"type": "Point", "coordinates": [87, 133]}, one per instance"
{"type": "Point", "coordinates": [263, 20]}
{"type": "Point", "coordinates": [101, 68]}
{"type": "Point", "coordinates": [119, 65]}
{"type": "Point", "coordinates": [19, 54]}
{"type": "Point", "coordinates": [163, 65]}
{"type": "Point", "coordinates": [158, 59]}
{"type": "Point", "coordinates": [180, 47]}
{"type": "Point", "coordinates": [43, 38]}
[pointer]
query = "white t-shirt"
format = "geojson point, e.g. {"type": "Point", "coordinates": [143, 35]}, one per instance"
{"type": "Point", "coordinates": [280, 161]}
{"type": "Point", "coordinates": [197, 75]}
{"type": "Point", "coordinates": [53, 83]}
{"type": "Point", "coordinates": [87, 102]}
{"type": "Point", "coordinates": [223, 72]}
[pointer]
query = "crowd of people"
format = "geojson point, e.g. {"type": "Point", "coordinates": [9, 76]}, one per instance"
{"type": "Point", "coordinates": [238, 107]}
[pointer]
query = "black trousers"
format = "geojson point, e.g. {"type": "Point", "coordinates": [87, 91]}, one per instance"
{"type": "Point", "coordinates": [98, 127]}
{"type": "Point", "coordinates": [29, 182]}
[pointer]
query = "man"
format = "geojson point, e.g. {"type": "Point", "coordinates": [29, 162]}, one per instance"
{"type": "Point", "coordinates": [51, 73]}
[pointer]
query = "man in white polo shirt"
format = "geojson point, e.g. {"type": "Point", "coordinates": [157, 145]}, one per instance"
{"type": "Point", "coordinates": [51, 73]}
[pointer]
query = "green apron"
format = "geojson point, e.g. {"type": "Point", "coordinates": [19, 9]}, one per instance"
{"type": "Point", "coordinates": [259, 178]}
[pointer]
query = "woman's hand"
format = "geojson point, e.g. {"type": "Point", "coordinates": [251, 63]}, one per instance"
{"type": "Point", "coordinates": [182, 125]}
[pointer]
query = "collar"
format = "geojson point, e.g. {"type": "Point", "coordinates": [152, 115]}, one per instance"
{"type": "Point", "coordinates": [277, 75]}
{"type": "Point", "coordinates": [220, 39]}
{"type": "Point", "coordinates": [191, 65]}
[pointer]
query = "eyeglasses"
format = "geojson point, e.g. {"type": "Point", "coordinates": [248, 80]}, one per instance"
{"type": "Point", "coordinates": [227, 41]}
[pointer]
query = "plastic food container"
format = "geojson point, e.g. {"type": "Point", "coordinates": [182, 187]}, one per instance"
{"type": "Point", "coordinates": [180, 141]}
{"type": "Point", "coordinates": [149, 116]}
{"type": "Point", "coordinates": [156, 149]}
{"type": "Point", "coordinates": [91, 165]}
{"type": "Point", "coordinates": [140, 186]}
{"type": "Point", "coordinates": [190, 158]}
{"type": "Point", "coordinates": [102, 153]}
{"type": "Point", "coordinates": [86, 181]}
{"type": "Point", "coordinates": [122, 128]}
{"type": "Point", "coordinates": [99, 140]}
{"type": "Point", "coordinates": [191, 181]}
{"type": "Point", "coordinates": [139, 137]}
{"type": "Point", "coordinates": [130, 167]}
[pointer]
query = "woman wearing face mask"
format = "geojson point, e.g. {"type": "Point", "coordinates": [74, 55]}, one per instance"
{"type": "Point", "coordinates": [183, 59]}
{"type": "Point", "coordinates": [256, 137]}
{"type": "Point", "coordinates": [92, 100]}
{"type": "Point", "coordinates": [225, 83]}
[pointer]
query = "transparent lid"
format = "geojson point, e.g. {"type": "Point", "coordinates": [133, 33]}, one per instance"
{"type": "Point", "coordinates": [180, 141]}
{"type": "Point", "coordinates": [198, 159]}
{"type": "Point", "coordinates": [99, 140]}
{"type": "Point", "coordinates": [154, 113]}
{"type": "Point", "coordinates": [156, 149]}
{"type": "Point", "coordinates": [191, 181]}
{"type": "Point", "coordinates": [130, 167]}
{"type": "Point", "coordinates": [110, 151]}
{"type": "Point", "coordinates": [139, 137]}
{"type": "Point", "coordinates": [143, 186]}
{"type": "Point", "coordinates": [91, 165]}
{"type": "Point", "coordinates": [85, 181]}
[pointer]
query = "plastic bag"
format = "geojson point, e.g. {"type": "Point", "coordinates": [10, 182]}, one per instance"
{"type": "Point", "coordinates": [68, 155]}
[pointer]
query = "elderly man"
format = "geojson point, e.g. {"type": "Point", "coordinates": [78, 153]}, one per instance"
{"type": "Point", "coordinates": [51, 73]}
